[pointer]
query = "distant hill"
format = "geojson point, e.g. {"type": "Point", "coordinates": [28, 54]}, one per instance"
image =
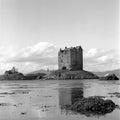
{"type": "Point", "coordinates": [40, 71]}
{"type": "Point", "coordinates": [116, 72]}
{"type": "Point", "coordinates": [38, 74]}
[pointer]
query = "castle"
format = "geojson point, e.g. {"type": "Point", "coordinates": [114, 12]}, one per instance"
{"type": "Point", "coordinates": [70, 58]}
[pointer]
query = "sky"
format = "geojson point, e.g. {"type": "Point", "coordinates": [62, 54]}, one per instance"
{"type": "Point", "coordinates": [33, 31]}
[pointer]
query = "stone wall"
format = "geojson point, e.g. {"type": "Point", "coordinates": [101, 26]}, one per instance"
{"type": "Point", "coordinates": [64, 59]}
{"type": "Point", "coordinates": [76, 59]}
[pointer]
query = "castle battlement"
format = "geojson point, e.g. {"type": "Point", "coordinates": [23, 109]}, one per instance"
{"type": "Point", "coordinates": [71, 48]}
{"type": "Point", "coordinates": [71, 58]}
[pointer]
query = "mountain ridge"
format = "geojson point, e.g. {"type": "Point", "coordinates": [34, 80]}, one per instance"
{"type": "Point", "coordinates": [115, 71]}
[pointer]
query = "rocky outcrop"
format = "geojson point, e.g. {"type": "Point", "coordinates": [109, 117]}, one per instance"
{"type": "Point", "coordinates": [12, 74]}
{"type": "Point", "coordinates": [93, 105]}
{"type": "Point", "coordinates": [20, 76]}
{"type": "Point", "coordinates": [15, 76]}
{"type": "Point", "coordinates": [66, 74]}
{"type": "Point", "coordinates": [109, 77]}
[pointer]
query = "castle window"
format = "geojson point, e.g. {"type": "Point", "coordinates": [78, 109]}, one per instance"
{"type": "Point", "coordinates": [64, 68]}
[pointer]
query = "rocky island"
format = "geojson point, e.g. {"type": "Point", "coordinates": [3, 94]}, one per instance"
{"type": "Point", "coordinates": [13, 74]}
{"type": "Point", "coordinates": [67, 74]}
{"type": "Point", "coordinates": [109, 77]}
{"type": "Point", "coordinates": [70, 65]}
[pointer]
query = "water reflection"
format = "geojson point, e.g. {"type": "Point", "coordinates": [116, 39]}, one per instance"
{"type": "Point", "coordinates": [45, 100]}
{"type": "Point", "coordinates": [69, 96]}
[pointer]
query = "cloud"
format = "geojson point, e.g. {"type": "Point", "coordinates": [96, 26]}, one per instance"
{"type": "Point", "coordinates": [100, 60]}
{"type": "Point", "coordinates": [43, 55]}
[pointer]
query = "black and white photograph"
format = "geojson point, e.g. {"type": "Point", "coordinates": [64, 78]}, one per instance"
{"type": "Point", "coordinates": [59, 60]}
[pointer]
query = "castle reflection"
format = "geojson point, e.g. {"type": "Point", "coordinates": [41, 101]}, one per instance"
{"type": "Point", "coordinates": [68, 96]}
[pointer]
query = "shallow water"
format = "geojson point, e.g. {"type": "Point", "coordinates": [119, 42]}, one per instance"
{"type": "Point", "coordinates": [46, 100]}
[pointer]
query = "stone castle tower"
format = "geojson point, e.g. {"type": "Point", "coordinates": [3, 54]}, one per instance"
{"type": "Point", "coordinates": [70, 58]}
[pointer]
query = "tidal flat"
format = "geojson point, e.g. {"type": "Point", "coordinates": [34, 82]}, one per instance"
{"type": "Point", "coordinates": [47, 99]}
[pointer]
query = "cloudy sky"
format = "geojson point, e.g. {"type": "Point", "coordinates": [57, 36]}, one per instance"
{"type": "Point", "coordinates": [32, 31]}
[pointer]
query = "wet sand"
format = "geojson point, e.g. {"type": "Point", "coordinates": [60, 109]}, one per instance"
{"type": "Point", "coordinates": [46, 100]}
